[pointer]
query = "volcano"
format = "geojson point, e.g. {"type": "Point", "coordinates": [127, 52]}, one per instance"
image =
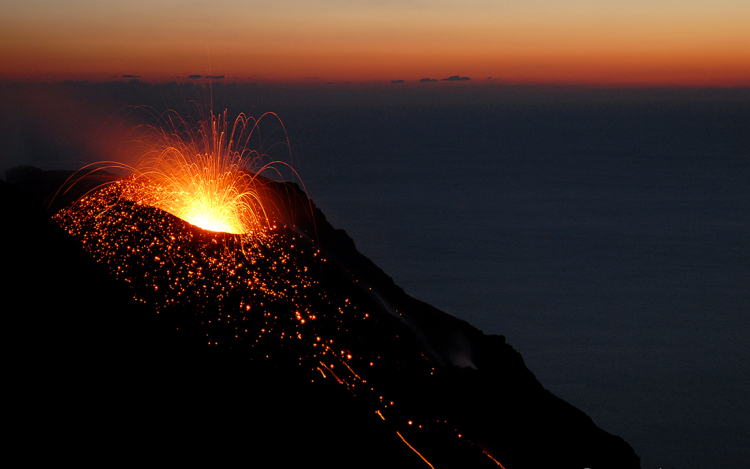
{"type": "Point", "coordinates": [141, 337]}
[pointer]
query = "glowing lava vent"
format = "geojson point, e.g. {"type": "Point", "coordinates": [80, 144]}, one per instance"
{"type": "Point", "coordinates": [206, 174]}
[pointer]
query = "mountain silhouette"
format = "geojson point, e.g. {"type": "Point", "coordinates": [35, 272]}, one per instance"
{"type": "Point", "coordinates": [152, 339]}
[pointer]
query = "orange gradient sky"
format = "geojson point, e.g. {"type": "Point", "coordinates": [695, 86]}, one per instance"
{"type": "Point", "coordinates": [614, 42]}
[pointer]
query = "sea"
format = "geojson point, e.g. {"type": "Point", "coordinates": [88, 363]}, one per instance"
{"type": "Point", "coordinates": [604, 233]}
{"type": "Point", "coordinates": [608, 242]}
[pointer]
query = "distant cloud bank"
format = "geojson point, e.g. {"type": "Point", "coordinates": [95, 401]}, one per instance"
{"type": "Point", "coordinates": [430, 80]}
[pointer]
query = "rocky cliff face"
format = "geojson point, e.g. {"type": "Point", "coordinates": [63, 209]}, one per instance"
{"type": "Point", "coordinates": [299, 349]}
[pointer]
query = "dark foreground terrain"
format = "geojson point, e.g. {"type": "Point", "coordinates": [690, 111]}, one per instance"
{"type": "Point", "coordinates": [97, 376]}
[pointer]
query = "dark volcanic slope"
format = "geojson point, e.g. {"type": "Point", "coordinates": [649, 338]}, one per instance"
{"type": "Point", "coordinates": [342, 369]}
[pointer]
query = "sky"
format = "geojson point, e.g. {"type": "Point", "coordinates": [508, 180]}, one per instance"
{"type": "Point", "coordinates": [610, 42]}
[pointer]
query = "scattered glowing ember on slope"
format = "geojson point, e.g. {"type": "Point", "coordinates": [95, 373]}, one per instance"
{"type": "Point", "coordinates": [250, 281]}
{"type": "Point", "coordinates": [263, 293]}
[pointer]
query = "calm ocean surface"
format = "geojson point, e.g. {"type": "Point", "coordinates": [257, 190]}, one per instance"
{"type": "Point", "coordinates": [609, 244]}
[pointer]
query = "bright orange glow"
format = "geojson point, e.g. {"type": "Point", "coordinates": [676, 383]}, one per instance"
{"type": "Point", "coordinates": [198, 175]}
{"type": "Point", "coordinates": [205, 174]}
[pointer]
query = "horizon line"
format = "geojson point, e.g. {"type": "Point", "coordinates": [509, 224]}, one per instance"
{"type": "Point", "coordinates": [425, 82]}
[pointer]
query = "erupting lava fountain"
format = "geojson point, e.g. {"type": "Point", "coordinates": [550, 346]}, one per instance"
{"type": "Point", "coordinates": [204, 177]}
{"type": "Point", "coordinates": [203, 173]}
